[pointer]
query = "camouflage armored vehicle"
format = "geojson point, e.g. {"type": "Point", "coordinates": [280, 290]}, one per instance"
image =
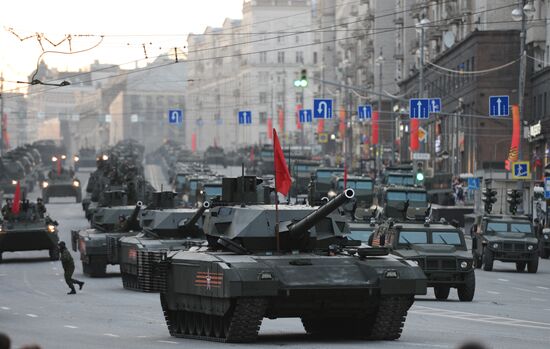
{"type": "Point", "coordinates": [403, 203]}
{"type": "Point", "coordinates": [61, 183]}
{"type": "Point", "coordinates": [505, 238]}
{"type": "Point", "coordinates": [544, 245]}
{"type": "Point", "coordinates": [307, 270]}
{"type": "Point", "coordinates": [109, 223]}
{"type": "Point", "coordinates": [438, 248]}
{"type": "Point", "coordinates": [164, 230]}
{"type": "Point", "coordinates": [321, 183]}
{"type": "Point", "coordinates": [301, 172]}
{"type": "Point", "coordinates": [28, 230]}
{"type": "Point", "coordinates": [215, 155]}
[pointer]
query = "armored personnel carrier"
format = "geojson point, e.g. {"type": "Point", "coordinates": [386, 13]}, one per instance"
{"type": "Point", "coordinates": [28, 230]}
{"type": "Point", "coordinates": [108, 222]}
{"type": "Point", "coordinates": [403, 203]}
{"type": "Point", "coordinates": [307, 269]}
{"type": "Point", "coordinates": [164, 229]}
{"type": "Point", "coordinates": [438, 248]}
{"type": "Point", "coordinates": [86, 158]}
{"type": "Point", "coordinates": [61, 183]}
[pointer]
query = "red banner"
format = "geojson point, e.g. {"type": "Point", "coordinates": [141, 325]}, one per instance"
{"type": "Point", "coordinates": [414, 144]}
{"type": "Point", "coordinates": [16, 199]}
{"type": "Point", "coordinates": [321, 126]}
{"type": "Point", "coordinates": [194, 142]}
{"type": "Point", "coordinates": [269, 128]}
{"type": "Point", "coordinates": [513, 154]}
{"type": "Point", "coordinates": [342, 126]}
{"type": "Point", "coordinates": [282, 175]}
{"type": "Point", "coordinates": [297, 116]}
{"type": "Point", "coordinates": [281, 120]}
{"type": "Point", "coordinates": [374, 128]}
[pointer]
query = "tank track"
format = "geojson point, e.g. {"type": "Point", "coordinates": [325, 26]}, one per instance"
{"type": "Point", "coordinates": [240, 325]}
{"type": "Point", "coordinates": [390, 318]}
{"type": "Point", "coordinates": [130, 282]}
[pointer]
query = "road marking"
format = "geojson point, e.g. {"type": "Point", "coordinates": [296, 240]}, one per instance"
{"type": "Point", "coordinates": [168, 342]}
{"type": "Point", "coordinates": [425, 345]}
{"type": "Point", "coordinates": [5, 308]}
{"type": "Point", "coordinates": [32, 315]}
{"type": "Point", "coordinates": [498, 320]}
{"type": "Point", "coordinates": [493, 292]}
{"type": "Point", "coordinates": [3, 274]}
{"type": "Point", "coordinates": [538, 299]}
{"type": "Point", "coordinates": [503, 280]}
{"type": "Point", "coordinates": [142, 336]}
{"type": "Point", "coordinates": [543, 288]}
{"type": "Point", "coordinates": [111, 335]}
{"type": "Point", "coordinates": [526, 290]}
{"type": "Point", "coordinates": [70, 326]}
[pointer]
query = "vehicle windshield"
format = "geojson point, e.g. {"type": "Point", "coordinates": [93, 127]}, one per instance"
{"type": "Point", "coordinates": [520, 228]}
{"type": "Point", "coordinates": [213, 191]}
{"type": "Point", "coordinates": [401, 179]}
{"type": "Point", "coordinates": [360, 234]}
{"type": "Point", "coordinates": [495, 227]}
{"type": "Point", "coordinates": [266, 154]}
{"type": "Point", "coordinates": [356, 184]}
{"type": "Point", "coordinates": [413, 237]}
{"type": "Point", "coordinates": [180, 180]}
{"type": "Point", "coordinates": [325, 176]}
{"type": "Point", "coordinates": [193, 185]}
{"type": "Point", "coordinates": [415, 198]}
{"type": "Point", "coordinates": [304, 168]}
{"type": "Point", "coordinates": [446, 237]}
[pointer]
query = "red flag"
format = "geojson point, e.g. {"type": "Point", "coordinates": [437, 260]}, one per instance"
{"type": "Point", "coordinates": [345, 176]}
{"type": "Point", "coordinates": [281, 120]}
{"type": "Point", "coordinates": [194, 142]}
{"type": "Point", "coordinates": [16, 199]}
{"type": "Point", "coordinates": [321, 126]}
{"type": "Point", "coordinates": [374, 128]}
{"type": "Point", "coordinates": [414, 134]}
{"type": "Point", "coordinates": [252, 154]}
{"type": "Point", "coordinates": [297, 115]}
{"type": "Point", "coordinates": [282, 176]}
{"type": "Point", "coordinates": [269, 128]}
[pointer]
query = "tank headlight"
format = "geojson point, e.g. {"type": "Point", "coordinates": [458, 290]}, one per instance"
{"type": "Point", "coordinates": [45, 185]}
{"type": "Point", "coordinates": [51, 228]}
{"type": "Point", "coordinates": [54, 158]}
{"type": "Point", "coordinates": [63, 157]}
{"type": "Point", "coordinates": [391, 274]}
{"type": "Point", "coordinates": [76, 158]}
{"type": "Point", "coordinates": [331, 194]}
{"type": "Point", "coordinates": [530, 247]}
{"type": "Point", "coordinates": [464, 265]}
{"type": "Point", "coordinates": [76, 183]}
{"type": "Point", "coordinates": [495, 245]}
{"type": "Point", "coordinates": [14, 182]}
{"type": "Point", "coordinates": [105, 157]}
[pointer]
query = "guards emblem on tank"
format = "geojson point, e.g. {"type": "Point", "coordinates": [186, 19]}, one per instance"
{"type": "Point", "coordinates": [208, 279]}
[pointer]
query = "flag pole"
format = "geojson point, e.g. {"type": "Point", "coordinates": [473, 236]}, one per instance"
{"type": "Point", "coordinates": [277, 238]}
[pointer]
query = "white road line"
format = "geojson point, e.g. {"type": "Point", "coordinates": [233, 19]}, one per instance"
{"type": "Point", "coordinates": [543, 288]}
{"type": "Point", "coordinates": [111, 335]}
{"type": "Point", "coordinates": [493, 292]}
{"type": "Point", "coordinates": [503, 280]}
{"type": "Point", "coordinates": [168, 342]}
{"type": "Point", "coordinates": [4, 308]}
{"type": "Point", "coordinates": [423, 345]}
{"type": "Point", "coordinates": [526, 290]}
{"type": "Point", "coordinates": [538, 299]}
{"type": "Point", "coordinates": [142, 336]}
{"type": "Point", "coordinates": [70, 326]}
{"type": "Point", "coordinates": [32, 315]}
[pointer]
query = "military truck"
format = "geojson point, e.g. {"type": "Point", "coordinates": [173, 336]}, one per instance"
{"type": "Point", "coordinates": [106, 225]}
{"type": "Point", "coordinates": [61, 183]}
{"type": "Point", "coordinates": [438, 248]}
{"type": "Point", "coordinates": [306, 268]}
{"type": "Point", "coordinates": [544, 245]}
{"type": "Point", "coordinates": [301, 173]}
{"type": "Point", "coordinates": [28, 230]}
{"type": "Point", "coordinates": [505, 238]}
{"type": "Point", "coordinates": [163, 230]}
{"type": "Point", "coordinates": [402, 203]}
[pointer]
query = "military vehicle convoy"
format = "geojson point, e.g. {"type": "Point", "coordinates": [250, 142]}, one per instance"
{"type": "Point", "coordinates": [86, 158]}
{"type": "Point", "coordinates": [308, 269]}
{"type": "Point", "coordinates": [28, 230]}
{"type": "Point", "coordinates": [438, 248]}
{"type": "Point", "coordinates": [61, 183]}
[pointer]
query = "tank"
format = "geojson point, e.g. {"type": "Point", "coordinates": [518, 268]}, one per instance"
{"type": "Point", "coordinates": [29, 230]}
{"type": "Point", "coordinates": [308, 270]}
{"type": "Point", "coordinates": [62, 183]}
{"type": "Point", "coordinates": [94, 243]}
{"type": "Point", "coordinates": [86, 158]}
{"type": "Point", "coordinates": [164, 230]}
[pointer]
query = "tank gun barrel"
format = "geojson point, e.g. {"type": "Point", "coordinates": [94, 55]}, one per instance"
{"type": "Point", "coordinates": [195, 218]}
{"type": "Point", "coordinates": [314, 217]}
{"type": "Point", "coordinates": [132, 220]}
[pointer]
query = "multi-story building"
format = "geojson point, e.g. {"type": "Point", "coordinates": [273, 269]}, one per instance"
{"type": "Point", "coordinates": [250, 65]}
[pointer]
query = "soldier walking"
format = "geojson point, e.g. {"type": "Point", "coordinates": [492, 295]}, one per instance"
{"type": "Point", "coordinates": [68, 268]}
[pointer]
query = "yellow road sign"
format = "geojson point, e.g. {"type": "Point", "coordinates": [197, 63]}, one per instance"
{"type": "Point", "coordinates": [322, 137]}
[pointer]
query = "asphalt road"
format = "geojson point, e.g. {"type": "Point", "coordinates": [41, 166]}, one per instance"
{"type": "Point", "coordinates": [510, 310]}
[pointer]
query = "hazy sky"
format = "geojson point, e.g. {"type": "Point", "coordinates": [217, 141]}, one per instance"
{"type": "Point", "coordinates": [126, 26]}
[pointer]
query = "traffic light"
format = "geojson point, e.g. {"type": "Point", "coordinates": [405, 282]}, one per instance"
{"type": "Point", "coordinates": [489, 198]}
{"type": "Point", "coordinates": [515, 198]}
{"type": "Point", "coordinates": [419, 173]}
{"type": "Point", "coordinates": [302, 81]}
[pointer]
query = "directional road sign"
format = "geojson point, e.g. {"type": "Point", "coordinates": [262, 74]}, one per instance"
{"type": "Point", "coordinates": [245, 117]}
{"type": "Point", "coordinates": [364, 112]}
{"type": "Point", "coordinates": [474, 183]}
{"type": "Point", "coordinates": [499, 105]}
{"type": "Point", "coordinates": [547, 188]}
{"type": "Point", "coordinates": [419, 108]}
{"type": "Point", "coordinates": [305, 115]}
{"type": "Point", "coordinates": [322, 108]}
{"type": "Point", "coordinates": [520, 170]}
{"type": "Point", "coordinates": [175, 116]}
{"type": "Point", "coordinates": [435, 105]}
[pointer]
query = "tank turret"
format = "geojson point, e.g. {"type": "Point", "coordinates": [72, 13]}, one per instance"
{"type": "Point", "coordinates": [162, 200]}
{"type": "Point", "coordinates": [189, 226]}
{"type": "Point", "coordinates": [113, 198]}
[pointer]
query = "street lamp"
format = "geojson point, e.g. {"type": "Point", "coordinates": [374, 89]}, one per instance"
{"type": "Point", "coordinates": [379, 62]}
{"type": "Point", "coordinates": [420, 28]}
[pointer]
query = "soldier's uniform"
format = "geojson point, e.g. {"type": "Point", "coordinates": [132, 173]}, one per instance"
{"type": "Point", "coordinates": [68, 267]}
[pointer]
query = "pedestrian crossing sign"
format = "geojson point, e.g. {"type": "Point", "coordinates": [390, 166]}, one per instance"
{"type": "Point", "coordinates": [521, 170]}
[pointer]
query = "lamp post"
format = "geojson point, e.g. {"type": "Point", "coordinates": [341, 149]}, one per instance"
{"type": "Point", "coordinates": [379, 63]}
{"type": "Point", "coordinates": [420, 27]}
{"type": "Point", "coordinates": [524, 12]}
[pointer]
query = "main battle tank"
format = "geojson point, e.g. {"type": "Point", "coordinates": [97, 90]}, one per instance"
{"type": "Point", "coordinates": [308, 270]}
{"type": "Point", "coordinates": [94, 243]}
{"type": "Point", "coordinates": [164, 230]}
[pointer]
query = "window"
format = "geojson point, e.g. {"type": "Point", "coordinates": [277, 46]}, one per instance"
{"type": "Point", "coordinates": [280, 37]}
{"type": "Point", "coordinates": [314, 57]}
{"type": "Point", "coordinates": [263, 57]}
{"type": "Point", "coordinates": [298, 98]}
{"type": "Point", "coordinates": [446, 237]}
{"type": "Point", "coordinates": [413, 237]}
{"type": "Point", "coordinates": [280, 98]}
{"type": "Point", "coordinates": [299, 57]}
{"type": "Point", "coordinates": [263, 97]}
{"type": "Point", "coordinates": [520, 228]}
{"type": "Point", "coordinates": [281, 57]}
{"type": "Point", "coordinates": [361, 234]}
{"type": "Point", "coordinates": [297, 39]}
{"type": "Point", "coordinates": [263, 117]}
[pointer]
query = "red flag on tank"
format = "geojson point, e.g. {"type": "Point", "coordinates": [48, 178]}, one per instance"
{"type": "Point", "coordinates": [282, 175]}
{"type": "Point", "coordinates": [16, 199]}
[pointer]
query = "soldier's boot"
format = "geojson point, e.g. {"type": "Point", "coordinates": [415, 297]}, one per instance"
{"type": "Point", "coordinates": [80, 284]}
{"type": "Point", "coordinates": [73, 291]}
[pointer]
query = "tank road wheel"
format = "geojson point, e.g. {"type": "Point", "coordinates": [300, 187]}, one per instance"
{"type": "Point", "coordinates": [217, 326]}
{"type": "Point", "coordinates": [442, 292]}
{"type": "Point", "coordinates": [488, 259]}
{"type": "Point", "coordinates": [180, 321]}
{"type": "Point", "coordinates": [54, 254]}
{"type": "Point", "coordinates": [190, 322]}
{"type": "Point", "coordinates": [168, 316]}
{"type": "Point", "coordinates": [243, 323]}
{"type": "Point", "coordinates": [520, 267]}
{"type": "Point", "coordinates": [478, 261]}
{"type": "Point", "coordinates": [467, 290]}
{"type": "Point", "coordinates": [207, 324]}
{"type": "Point", "coordinates": [199, 320]}
{"type": "Point", "coordinates": [390, 318]}
{"type": "Point", "coordinates": [533, 265]}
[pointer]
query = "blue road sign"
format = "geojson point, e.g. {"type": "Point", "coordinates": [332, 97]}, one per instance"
{"type": "Point", "coordinates": [547, 188]}
{"type": "Point", "coordinates": [245, 117]}
{"type": "Point", "coordinates": [175, 116]}
{"type": "Point", "coordinates": [520, 170]}
{"type": "Point", "coordinates": [322, 108]}
{"type": "Point", "coordinates": [473, 183]}
{"type": "Point", "coordinates": [435, 105]}
{"type": "Point", "coordinates": [364, 112]}
{"type": "Point", "coordinates": [419, 108]}
{"type": "Point", "coordinates": [499, 105]}
{"type": "Point", "coordinates": [305, 115]}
